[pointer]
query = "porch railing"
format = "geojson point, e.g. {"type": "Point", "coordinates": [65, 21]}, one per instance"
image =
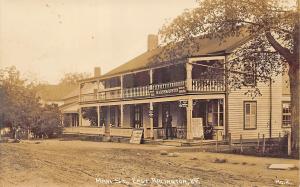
{"type": "Point", "coordinates": [109, 95]}
{"type": "Point", "coordinates": [142, 91]}
{"type": "Point", "coordinates": [168, 85]}
{"type": "Point", "coordinates": [87, 97]}
{"type": "Point", "coordinates": [208, 85]}
{"type": "Point", "coordinates": [198, 85]}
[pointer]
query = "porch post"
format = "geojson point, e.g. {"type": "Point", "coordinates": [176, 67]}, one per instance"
{"type": "Point", "coordinates": [121, 81]}
{"type": "Point", "coordinates": [77, 120]}
{"type": "Point", "coordinates": [189, 80]}
{"type": "Point", "coordinates": [122, 115]}
{"type": "Point", "coordinates": [189, 110]}
{"type": "Point", "coordinates": [151, 76]}
{"type": "Point", "coordinates": [98, 115]}
{"type": "Point", "coordinates": [151, 121]}
{"type": "Point", "coordinates": [80, 117]}
{"type": "Point", "coordinates": [79, 98]}
{"type": "Point", "coordinates": [98, 87]}
{"type": "Point", "coordinates": [151, 81]}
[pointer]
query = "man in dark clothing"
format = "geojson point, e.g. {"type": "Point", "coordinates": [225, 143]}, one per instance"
{"type": "Point", "coordinates": [168, 123]}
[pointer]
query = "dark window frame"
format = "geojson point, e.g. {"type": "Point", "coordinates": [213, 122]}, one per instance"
{"type": "Point", "coordinates": [249, 77]}
{"type": "Point", "coordinates": [282, 113]}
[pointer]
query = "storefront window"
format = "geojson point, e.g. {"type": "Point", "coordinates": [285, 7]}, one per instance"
{"type": "Point", "coordinates": [112, 116]}
{"type": "Point", "coordinates": [137, 116]}
{"type": "Point", "coordinates": [215, 112]}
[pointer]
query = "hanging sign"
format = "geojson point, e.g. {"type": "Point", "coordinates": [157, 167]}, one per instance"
{"type": "Point", "coordinates": [183, 103]}
{"type": "Point", "coordinates": [151, 113]}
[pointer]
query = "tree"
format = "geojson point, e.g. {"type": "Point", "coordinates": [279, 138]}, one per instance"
{"type": "Point", "coordinates": [20, 106]}
{"type": "Point", "coordinates": [272, 28]}
{"type": "Point", "coordinates": [48, 124]}
{"type": "Point", "coordinates": [19, 103]}
{"type": "Point", "coordinates": [73, 78]}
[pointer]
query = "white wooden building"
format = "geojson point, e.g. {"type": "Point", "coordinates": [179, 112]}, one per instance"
{"type": "Point", "coordinates": [137, 94]}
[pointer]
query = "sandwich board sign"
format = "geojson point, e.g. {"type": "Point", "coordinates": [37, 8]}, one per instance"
{"type": "Point", "coordinates": [136, 136]}
{"type": "Point", "coordinates": [197, 127]}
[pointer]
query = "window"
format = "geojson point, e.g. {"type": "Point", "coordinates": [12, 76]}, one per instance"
{"type": "Point", "coordinates": [215, 112]}
{"type": "Point", "coordinates": [137, 116]}
{"type": "Point", "coordinates": [155, 115]}
{"type": "Point", "coordinates": [249, 76]}
{"type": "Point", "coordinates": [113, 116]}
{"type": "Point", "coordinates": [250, 114]}
{"type": "Point", "coordinates": [286, 114]}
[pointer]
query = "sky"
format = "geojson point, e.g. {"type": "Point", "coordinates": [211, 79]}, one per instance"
{"type": "Point", "coordinates": [45, 39]}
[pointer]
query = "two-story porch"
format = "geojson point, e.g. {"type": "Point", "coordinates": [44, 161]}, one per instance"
{"type": "Point", "coordinates": [139, 100]}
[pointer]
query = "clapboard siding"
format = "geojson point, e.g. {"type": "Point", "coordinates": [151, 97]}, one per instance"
{"type": "Point", "coordinates": [270, 98]}
{"type": "Point", "coordinates": [236, 100]}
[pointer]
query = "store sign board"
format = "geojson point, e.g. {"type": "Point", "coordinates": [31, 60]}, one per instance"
{"type": "Point", "coordinates": [169, 91]}
{"type": "Point", "coordinates": [136, 136]}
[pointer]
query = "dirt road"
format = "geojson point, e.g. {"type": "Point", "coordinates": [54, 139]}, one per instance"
{"type": "Point", "coordinates": [79, 163]}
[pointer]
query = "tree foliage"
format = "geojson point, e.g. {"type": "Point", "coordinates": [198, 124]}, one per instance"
{"type": "Point", "coordinates": [48, 124]}
{"type": "Point", "coordinates": [20, 106]}
{"type": "Point", "coordinates": [73, 78]}
{"type": "Point", "coordinates": [271, 28]}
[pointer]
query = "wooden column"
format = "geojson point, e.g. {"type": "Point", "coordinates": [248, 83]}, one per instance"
{"type": "Point", "coordinates": [121, 81]}
{"type": "Point", "coordinates": [121, 115]}
{"type": "Point", "coordinates": [189, 80]}
{"type": "Point", "coordinates": [189, 110]}
{"type": "Point", "coordinates": [151, 121]}
{"type": "Point", "coordinates": [80, 86]}
{"type": "Point", "coordinates": [80, 117]}
{"type": "Point", "coordinates": [151, 79]}
{"type": "Point", "coordinates": [98, 115]}
{"type": "Point", "coordinates": [98, 88]}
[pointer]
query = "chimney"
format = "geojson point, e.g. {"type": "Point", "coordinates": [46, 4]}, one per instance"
{"type": "Point", "coordinates": [152, 42]}
{"type": "Point", "coordinates": [97, 72]}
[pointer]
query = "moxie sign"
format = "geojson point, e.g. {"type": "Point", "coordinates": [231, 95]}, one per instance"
{"type": "Point", "coordinates": [169, 91]}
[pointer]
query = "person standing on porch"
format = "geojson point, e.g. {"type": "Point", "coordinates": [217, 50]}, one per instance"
{"type": "Point", "coordinates": [168, 128]}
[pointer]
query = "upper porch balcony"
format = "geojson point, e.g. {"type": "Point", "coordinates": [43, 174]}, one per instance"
{"type": "Point", "coordinates": [172, 80]}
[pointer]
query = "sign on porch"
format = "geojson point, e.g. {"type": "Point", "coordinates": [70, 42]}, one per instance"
{"type": "Point", "coordinates": [151, 113]}
{"type": "Point", "coordinates": [197, 127]}
{"type": "Point", "coordinates": [136, 136]}
{"type": "Point", "coordinates": [183, 103]}
{"type": "Point", "coordinates": [167, 91]}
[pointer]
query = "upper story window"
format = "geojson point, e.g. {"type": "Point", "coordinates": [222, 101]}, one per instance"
{"type": "Point", "coordinates": [250, 115]}
{"type": "Point", "coordinates": [286, 114]}
{"type": "Point", "coordinates": [249, 76]}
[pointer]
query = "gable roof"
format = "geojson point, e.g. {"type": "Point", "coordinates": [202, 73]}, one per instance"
{"type": "Point", "coordinates": [207, 47]}
{"type": "Point", "coordinates": [73, 93]}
